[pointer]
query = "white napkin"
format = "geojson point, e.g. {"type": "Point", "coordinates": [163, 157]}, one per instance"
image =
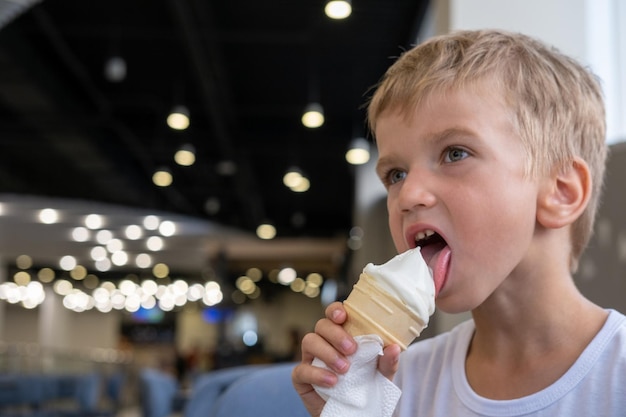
{"type": "Point", "coordinates": [363, 391]}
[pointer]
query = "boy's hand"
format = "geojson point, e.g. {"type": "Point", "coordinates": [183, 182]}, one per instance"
{"type": "Point", "coordinates": [332, 345]}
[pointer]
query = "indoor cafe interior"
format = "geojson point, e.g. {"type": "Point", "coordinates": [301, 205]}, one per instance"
{"type": "Point", "coordinates": [185, 185]}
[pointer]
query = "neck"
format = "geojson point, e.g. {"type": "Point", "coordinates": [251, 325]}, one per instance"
{"type": "Point", "coordinates": [523, 319]}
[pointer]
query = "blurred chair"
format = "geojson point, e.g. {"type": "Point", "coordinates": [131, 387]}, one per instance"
{"type": "Point", "coordinates": [158, 391]}
{"type": "Point", "coordinates": [20, 395]}
{"type": "Point", "coordinates": [266, 392]}
{"type": "Point", "coordinates": [208, 386]}
{"type": "Point", "coordinates": [114, 384]}
{"type": "Point", "coordinates": [72, 395]}
{"type": "Point", "coordinates": [88, 394]}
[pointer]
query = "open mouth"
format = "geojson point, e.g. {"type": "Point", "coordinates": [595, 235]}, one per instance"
{"type": "Point", "coordinates": [430, 243]}
{"type": "Point", "coordinates": [436, 254]}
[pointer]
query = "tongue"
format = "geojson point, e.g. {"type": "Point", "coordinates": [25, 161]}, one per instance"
{"type": "Point", "coordinates": [439, 264]}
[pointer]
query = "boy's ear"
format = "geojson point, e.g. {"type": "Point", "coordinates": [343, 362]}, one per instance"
{"type": "Point", "coordinates": [564, 195]}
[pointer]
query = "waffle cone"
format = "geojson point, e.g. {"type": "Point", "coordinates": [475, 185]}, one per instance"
{"type": "Point", "coordinates": [372, 310]}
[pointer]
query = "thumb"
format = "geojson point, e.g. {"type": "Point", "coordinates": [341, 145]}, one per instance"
{"type": "Point", "coordinates": [388, 363]}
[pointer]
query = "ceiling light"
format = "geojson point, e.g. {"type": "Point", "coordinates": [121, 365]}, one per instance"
{"type": "Point", "coordinates": [143, 260]}
{"type": "Point", "coordinates": [119, 258]}
{"type": "Point", "coordinates": [151, 222]}
{"type": "Point", "coordinates": [226, 168]}
{"type": "Point", "coordinates": [94, 221]}
{"type": "Point", "coordinates": [287, 275]}
{"type": "Point", "coordinates": [67, 263]}
{"type": "Point", "coordinates": [313, 115]}
{"type": "Point", "coordinates": [302, 186]}
{"type": "Point", "coordinates": [154, 243]}
{"type": "Point", "coordinates": [160, 270]}
{"type": "Point", "coordinates": [295, 180]}
{"type": "Point", "coordinates": [178, 118]}
{"type": "Point", "coordinates": [103, 265]}
{"type": "Point", "coordinates": [292, 177]}
{"type": "Point", "coordinates": [80, 234]}
{"type": "Point", "coordinates": [359, 152]}
{"type": "Point", "coordinates": [48, 216]}
{"type": "Point", "coordinates": [185, 155]}
{"type": "Point", "coordinates": [167, 228]}
{"type": "Point", "coordinates": [78, 273]}
{"type": "Point", "coordinates": [24, 261]}
{"type": "Point", "coordinates": [62, 286]}
{"type": "Point", "coordinates": [338, 9]}
{"type": "Point", "coordinates": [98, 253]}
{"type": "Point", "coordinates": [104, 236]}
{"type": "Point", "coordinates": [46, 275]}
{"type": "Point", "coordinates": [266, 231]}
{"type": "Point", "coordinates": [115, 69]}
{"type": "Point", "coordinates": [162, 177]}
{"type": "Point", "coordinates": [133, 232]}
{"type": "Point", "coordinates": [114, 245]}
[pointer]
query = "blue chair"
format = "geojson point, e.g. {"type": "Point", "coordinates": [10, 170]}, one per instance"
{"type": "Point", "coordinates": [69, 395]}
{"type": "Point", "coordinates": [88, 394]}
{"type": "Point", "coordinates": [15, 395]}
{"type": "Point", "coordinates": [21, 395]}
{"type": "Point", "coordinates": [113, 389]}
{"type": "Point", "coordinates": [158, 391]}
{"type": "Point", "coordinates": [264, 393]}
{"type": "Point", "coordinates": [209, 386]}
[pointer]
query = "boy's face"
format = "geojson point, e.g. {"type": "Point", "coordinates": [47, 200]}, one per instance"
{"type": "Point", "coordinates": [456, 168]}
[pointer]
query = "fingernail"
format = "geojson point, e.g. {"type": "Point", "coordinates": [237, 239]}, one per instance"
{"type": "Point", "coordinates": [341, 364]}
{"type": "Point", "coordinates": [330, 380]}
{"type": "Point", "coordinates": [335, 314]}
{"type": "Point", "coordinates": [347, 345]}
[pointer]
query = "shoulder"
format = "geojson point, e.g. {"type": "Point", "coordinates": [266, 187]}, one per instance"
{"type": "Point", "coordinates": [606, 354]}
{"type": "Point", "coordinates": [614, 329]}
{"type": "Point", "coordinates": [615, 337]}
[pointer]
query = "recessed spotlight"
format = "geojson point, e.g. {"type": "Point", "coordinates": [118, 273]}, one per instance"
{"type": "Point", "coordinates": [338, 9]}
{"type": "Point", "coordinates": [48, 216]}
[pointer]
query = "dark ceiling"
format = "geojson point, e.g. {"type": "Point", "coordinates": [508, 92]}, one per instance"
{"type": "Point", "coordinates": [245, 69]}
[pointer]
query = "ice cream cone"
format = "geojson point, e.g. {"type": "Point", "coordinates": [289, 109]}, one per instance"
{"type": "Point", "coordinates": [372, 310]}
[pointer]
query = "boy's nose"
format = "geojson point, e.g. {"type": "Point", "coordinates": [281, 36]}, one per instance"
{"type": "Point", "coordinates": [416, 192]}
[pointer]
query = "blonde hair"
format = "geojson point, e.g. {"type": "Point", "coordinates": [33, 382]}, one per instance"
{"type": "Point", "coordinates": [557, 104]}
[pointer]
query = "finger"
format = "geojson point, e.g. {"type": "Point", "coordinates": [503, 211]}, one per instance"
{"type": "Point", "coordinates": [335, 334]}
{"type": "Point", "coordinates": [315, 346]}
{"type": "Point", "coordinates": [303, 376]}
{"type": "Point", "coordinates": [336, 313]}
{"type": "Point", "coordinates": [388, 363]}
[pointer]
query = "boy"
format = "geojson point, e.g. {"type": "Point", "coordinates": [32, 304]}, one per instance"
{"type": "Point", "coordinates": [497, 144]}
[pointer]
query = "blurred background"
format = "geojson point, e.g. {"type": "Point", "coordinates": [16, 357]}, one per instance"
{"type": "Point", "coordinates": [186, 184]}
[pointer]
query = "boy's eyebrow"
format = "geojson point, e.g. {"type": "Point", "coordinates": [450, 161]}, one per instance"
{"type": "Point", "coordinates": [450, 133]}
{"type": "Point", "coordinates": [434, 137]}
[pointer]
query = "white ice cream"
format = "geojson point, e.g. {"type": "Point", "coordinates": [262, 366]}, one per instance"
{"type": "Point", "coordinates": [407, 277]}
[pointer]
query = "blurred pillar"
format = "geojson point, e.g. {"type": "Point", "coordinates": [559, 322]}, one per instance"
{"type": "Point", "coordinates": [54, 321]}
{"type": "Point", "coordinates": [370, 215]}
{"type": "Point", "coordinates": [3, 278]}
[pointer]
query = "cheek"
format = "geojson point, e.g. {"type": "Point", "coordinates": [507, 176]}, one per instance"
{"type": "Point", "coordinates": [395, 228]}
{"type": "Point", "coordinates": [507, 229]}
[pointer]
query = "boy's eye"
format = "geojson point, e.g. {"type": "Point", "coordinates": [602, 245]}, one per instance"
{"type": "Point", "coordinates": [395, 176]}
{"type": "Point", "coordinates": [455, 154]}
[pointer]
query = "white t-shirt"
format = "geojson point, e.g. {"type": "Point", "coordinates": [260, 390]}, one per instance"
{"type": "Point", "coordinates": [433, 381]}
